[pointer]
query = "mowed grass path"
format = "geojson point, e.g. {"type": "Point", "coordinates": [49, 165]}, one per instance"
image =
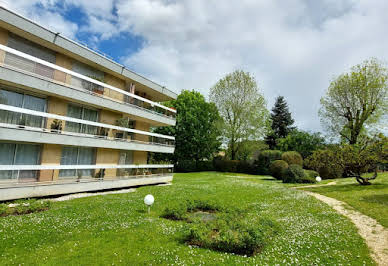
{"type": "Point", "coordinates": [370, 200]}
{"type": "Point", "coordinates": [116, 229]}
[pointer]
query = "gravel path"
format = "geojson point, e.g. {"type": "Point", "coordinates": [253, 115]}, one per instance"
{"type": "Point", "coordinates": [375, 235]}
{"type": "Point", "coordinates": [321, 185]}
{"type": "Point", "coordinates": [83, 195]}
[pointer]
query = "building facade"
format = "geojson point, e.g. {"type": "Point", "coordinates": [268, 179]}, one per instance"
{"type": "Point", "coordinates": [71, 119]}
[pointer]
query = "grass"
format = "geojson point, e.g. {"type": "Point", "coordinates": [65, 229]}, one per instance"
{"type": "Point", "coordinates": [116, 229]}
{"type": "Point", "coordinates": [370, 200]}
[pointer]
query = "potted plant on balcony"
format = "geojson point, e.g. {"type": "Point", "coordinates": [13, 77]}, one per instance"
{"type": "Point", "coordinates": [56, 126]}
{"type": "Point", "coordinates": [102, 132]}
{"type": "Point", "coordinates": [22, 122]}
{"type": "Point", "coordinates": [97, 88]}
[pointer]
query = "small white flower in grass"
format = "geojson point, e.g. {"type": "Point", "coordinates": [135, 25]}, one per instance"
{"type": "Point", "coordinates": [318, 178]}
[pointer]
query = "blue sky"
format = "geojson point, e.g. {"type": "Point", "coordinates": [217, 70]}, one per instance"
{"type": "Point", "coordinates": [294, 48]}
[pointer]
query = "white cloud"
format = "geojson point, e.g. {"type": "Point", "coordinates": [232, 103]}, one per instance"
{"type": "Point", "coordinates": [294, 47]}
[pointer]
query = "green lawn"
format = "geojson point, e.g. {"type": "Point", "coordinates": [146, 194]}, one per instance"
{"type": "Point", "coordinates": [370, 200]}
{"type": "Point", "coordinates": [116, 229]}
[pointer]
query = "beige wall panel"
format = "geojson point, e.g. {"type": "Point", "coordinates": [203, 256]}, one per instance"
{"type": "Point", "coordinates": [108, 156]}
{"type": "Point", "coordinates": [3, 41]}
{"type": "Point", "coordinates": [65, 62]}
{"type": "Point", "coordinates": [143, 127]}
{"type": "Point", "coordinates": [108, 117]}
{"type": "Point", "coordinates": [115, 82]}
{"type": "Point", "coordinates": [140, 157]}
{"type": "Point", "coordinates": [51, 155]}
{"type": "Point", "coordinates": [56, 106]}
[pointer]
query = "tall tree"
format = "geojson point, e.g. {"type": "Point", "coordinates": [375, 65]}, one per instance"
{"type": "Point", "coordinates": [242, 108]}
{"type": "Point", "coordinates": [196, 131]}
{"type": "Point", "coordinates": [355, 101]}
{"type": "Point", "coordinates": [281, 122]}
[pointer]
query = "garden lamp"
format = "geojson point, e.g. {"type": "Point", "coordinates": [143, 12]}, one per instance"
{"type": "Point", "coordinates": [318, 178]}
{"type": "Point", "coordinates": [149, 200]}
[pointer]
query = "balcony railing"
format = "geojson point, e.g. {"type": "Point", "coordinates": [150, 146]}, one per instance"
{"type": "Point", "coordinates": [31, 173]}
{"type": "Point", "coordinates": [92, 129]}
{"type": "Point", "coordinates": [23, 62]}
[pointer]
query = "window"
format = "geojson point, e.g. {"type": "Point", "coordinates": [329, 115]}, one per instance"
{"type": "Point", "coordinates": [19, 154]}
{"type": "Point", "coordinates": [126, 157]}
{"type": "Point", "coordinates": [90, 72]}
{"type": "Point", "coordinates": [30, 48]}
{"type": "Point", "coordinates": [22, 101]}
{"type": "Point", "coordinates": [77, 156]}
{"type": "Point", "coordinates": [81, 113]}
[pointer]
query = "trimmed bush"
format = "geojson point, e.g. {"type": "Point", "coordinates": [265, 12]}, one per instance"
{"type": "Point", "coordinates": [311, 173]}
{"type": "Point", "coordinates": [264, 159]}
{"type": "Point", "coordinates": [292, 157]}
{"type": "Point", "coordinates": [296, 174]}
{"type": "Point", "coordinates": [325, 162]}
{"type": "Point", "coordinates": [278, 168]}
{"type": "Point", "coordinates": [230, 233]}
{"type": "Point", "coordinates": [203, 166]}
{"type": "Point", "coordinates": [180, 211]}
{"type": "Point", "coordinates": [226, 165]}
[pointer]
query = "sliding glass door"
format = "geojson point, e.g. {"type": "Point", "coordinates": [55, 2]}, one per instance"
{"type": "Point", "coordinates": [77, 156]}
{"type": "Point", "coordinates": [19, 154]}
{"type": "Point", "coordinates": [84, 114]}
{"type": "Point", "coordinates": [23, 101]}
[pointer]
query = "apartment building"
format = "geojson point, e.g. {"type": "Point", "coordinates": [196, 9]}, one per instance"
{"type": "Point", "coordinates": [73, 120]}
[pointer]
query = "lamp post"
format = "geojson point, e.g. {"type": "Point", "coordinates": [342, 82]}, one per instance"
{"type": "Point", "coordinates": [149, 200]}
{"type": "Point", "coordinates": [318, 178]}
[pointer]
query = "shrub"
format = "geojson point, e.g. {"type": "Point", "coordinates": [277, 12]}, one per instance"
{"type": "Point", "coordinates": [278, 168]}
{"type": "Point", "coordinates": [226, 165]}
{"type": "Point", "coordinates": [186, 166]}
{"type": "Point", "coordinates": [311, 173]}
{"type": "Point", "coordinates": [325, 162]}
{"type": "Point", "coordinates": [24, 207]}
{"type": "Point", "coordinates": [296, 174]}
{"type": "Point", "coordinates": [264, 159]}
{"type": "Point", "coordinates": [180, 211]}
{"type": "Point", "coordinates": [230, 233]}
{"type": "Point", "coordinates": [292, 157]}
{"type": "Point", "coordinates": [245, 167]}
{"type": "Point", "coordinates": [205, 166]}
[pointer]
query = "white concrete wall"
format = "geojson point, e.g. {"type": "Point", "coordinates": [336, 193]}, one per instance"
{"type": "Point", "coordinates": [50, 189]}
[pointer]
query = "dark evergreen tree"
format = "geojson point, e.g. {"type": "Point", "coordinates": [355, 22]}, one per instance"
{"type": "Point", "coordinates": [281, 122]}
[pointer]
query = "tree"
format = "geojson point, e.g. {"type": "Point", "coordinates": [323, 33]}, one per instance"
{"type": "Point", "coordinates": [196, 131]}
{"type": "Point", "coordinates": [303, 142]}
{"type": "Point", "coordinates": [242, 108]}
{"type": "Point", "coordinates": [355, 101]}
{"type": "Point", "coordinates": [281, 122]}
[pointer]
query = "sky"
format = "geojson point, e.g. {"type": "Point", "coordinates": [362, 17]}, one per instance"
{"type": "Point", "coordinates": [293, 48]}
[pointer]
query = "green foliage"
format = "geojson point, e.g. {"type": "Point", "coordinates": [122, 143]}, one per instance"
{"type": "Point", "coordinates": [264, 159]}
{"type": "Point", "coordinates": [277, 168]}
{"type": "Point", "coordinates": [242, 108]}
{"type": "Point", "coordinates": [296, 174]}
{"type": "Point", "coordinates": [281, 122]}
{"type": "Point", "coordinates": [181, 211]}
{"type": "Point", "coordinates": [303, 142]}
{"type": "Point", "coordinates": [356, 99]}
{"type": "Point", "coordinates": [292, 157]}
{"type": "Point", "coordinates": [231, 233]}
{"type": "Point", "coordinates": [197, 129]}
{"type": "Point", "coordinates": [311, 173]}
{"type": "Point", "coordinates": [226, 165]}
{"type": "Point", "coordinates": [186, 166]}
{"type": "Point", "coordinates": [325, 162]}
{"type": "Point", "coordinates": [247, 149]}
{"type": "Point", "coordinates": [24, 207]}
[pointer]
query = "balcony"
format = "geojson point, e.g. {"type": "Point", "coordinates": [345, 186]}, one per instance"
{"type": "Point", "coordinates": [127, 176]}
{"type": "Point", "coordinates": [42, 127]}
{"type": "Point", "coordinates": [23, 63]}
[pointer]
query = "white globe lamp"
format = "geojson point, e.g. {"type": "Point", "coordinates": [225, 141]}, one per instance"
{"type": "Point", "coordinates": [318, 178]}
{"type": "Point", "coordinates": [149, 200]}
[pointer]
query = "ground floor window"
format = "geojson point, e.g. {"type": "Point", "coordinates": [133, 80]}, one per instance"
{"type": "Point", "coordinates": [19, 154]}
{"type": "Point", "coordinates": [77, 156]}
